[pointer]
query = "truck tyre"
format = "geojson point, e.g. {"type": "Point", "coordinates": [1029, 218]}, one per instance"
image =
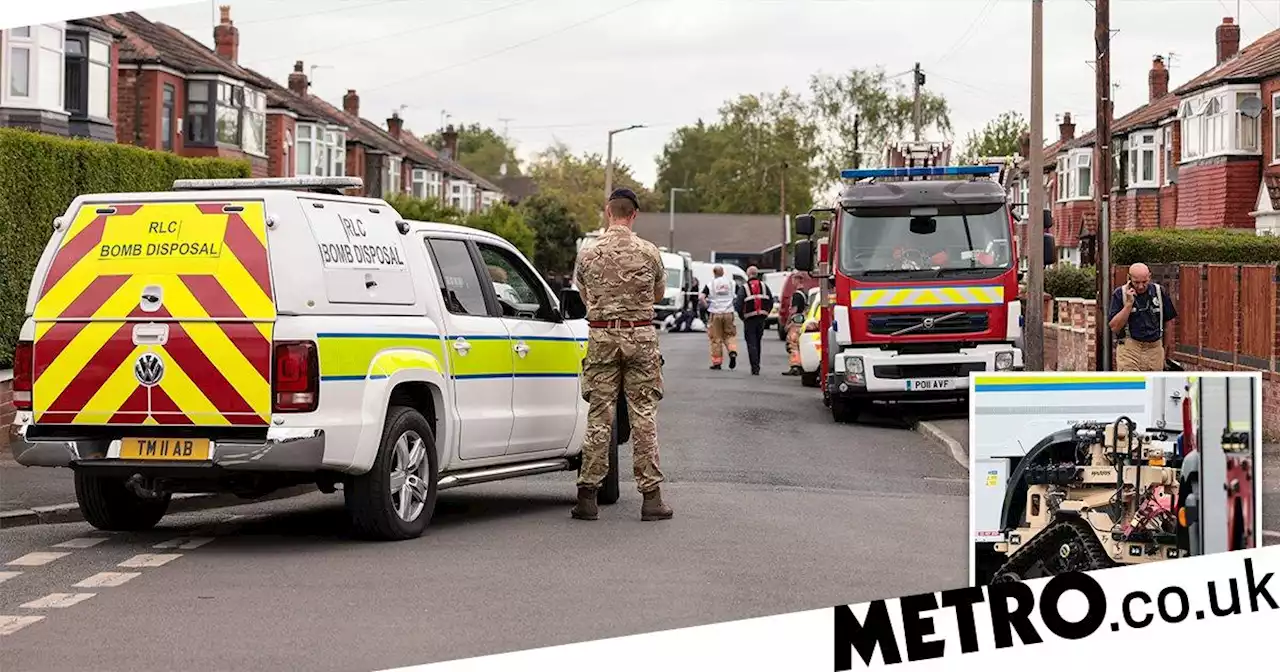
{"type": "Point", "coordinates": [396, 498]}
{"type": "Point", "coordinates": [782, 330]}
{"type": "Point", "coordinates": [109, 505]}
{"type": "Point", "coordinates": [809, 379]}
{"type": "Point", "coordinates": [609, 489]}
{"type": "Point", "coordinates": [843, 410]}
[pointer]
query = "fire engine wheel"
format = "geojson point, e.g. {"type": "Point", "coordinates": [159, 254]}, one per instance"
{"type": "Point", "coordinates": [843, 410]}
{"type": "Point", "coordinates": [809, 379]}
{"type": "Point", "coordinates": [782, 330]}
{"type": "Point", "coordinates": [108, 504]}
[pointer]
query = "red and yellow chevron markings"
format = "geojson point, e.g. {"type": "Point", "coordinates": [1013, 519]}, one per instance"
{"type": "Point", "coordinates": [208, 264]}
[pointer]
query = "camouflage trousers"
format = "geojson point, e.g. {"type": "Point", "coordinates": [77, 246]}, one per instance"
{"type": "Point", "coordinates": [794, 329]}
{"type": "Point", "coordinates": [723, 332]}
{"type": "Point", "coordinates": [626, 360]}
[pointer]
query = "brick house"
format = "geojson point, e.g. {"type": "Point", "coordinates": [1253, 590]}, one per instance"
{"type": "Point", "coordinates": [60, 78]}
{"type": "Point", "coordinates": [461, 187]}
{"type": "Point", "coordinates": [177, 95]}
{"type": "Point", "coordinates": [1191, 158]}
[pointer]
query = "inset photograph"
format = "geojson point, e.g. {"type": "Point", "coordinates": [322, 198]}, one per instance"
{"type": "Point", "coordinates": [1080, 471]}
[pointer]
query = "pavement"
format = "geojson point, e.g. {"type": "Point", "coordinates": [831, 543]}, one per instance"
{"type": "Point", "coordinates": [777, 509]}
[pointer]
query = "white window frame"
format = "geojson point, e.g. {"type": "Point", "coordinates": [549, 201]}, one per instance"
{"type": "Point", "coordinates": [1275, 129]}
{"type": "Point", "coordinates": [1166, 155]}
{"type": "Point", "coordinates": [253, 117]}
{"type": "Point", "coordinates": [38, 42]}
{"type": "Point", "coordinates": [326, 153]}
{"type": "Point", "coordinates": [391, 178]}
{"type": "Point", "coordinates": [1219, 134]}
{"type": "Point", "coordinates": [419, 190]}
{"type": "Point", "coordinates": [1075, 165]}
{"type": "Point", "coordinates": [435, 184]}
{"type": "Point", "coordinates": [1143, 146]}
{"type": "Point", "coordinates": [1064, 179]}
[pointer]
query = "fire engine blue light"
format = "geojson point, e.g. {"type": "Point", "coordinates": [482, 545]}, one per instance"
{"type": "Point", "coordinates": [923, 171]}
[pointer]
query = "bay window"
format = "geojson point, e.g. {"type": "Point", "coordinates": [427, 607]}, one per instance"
{"type": "Point", "coordinates": [391, 181]}
{"type": "Point", "coordinates": [1168, 155]}
{"type": "Point", "coordinates": [1142, 160]}
{"type": "Point", "coordinates": [88, 76]}
{"type": "Point", "coordinates": [1275, 128]}
{"type": "Point", "coordinates": [426, 183]}
{"type": "Point", "coordinates": [33, 69]}
{"type": "Point", "coordinates": [1213, 124]}
{"type": "Point", "coordinates": [1120, 163]}
{"type": "Point", "coordinates": [223, 113]}
{"type": "Point", "coordinates": [1082, 173]}
{"type": "Point", "coordinates": [321, 150]}
{"type": "Point", "coordinates": [1064, 178]}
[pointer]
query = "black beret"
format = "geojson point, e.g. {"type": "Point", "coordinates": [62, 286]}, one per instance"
{"type": "Point", "coordinates": [627, 194]}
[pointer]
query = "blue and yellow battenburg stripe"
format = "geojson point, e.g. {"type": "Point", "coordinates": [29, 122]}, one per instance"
{"type": "Point", "coordinates": [1015, 382]}
{"type": "Point", "coordinates": [357, 356]}
{"type": "Point", "coordinates": [895, 297]}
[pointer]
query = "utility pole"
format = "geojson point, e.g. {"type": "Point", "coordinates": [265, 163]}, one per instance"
{"type": "Point", "coordinates": [506, 121]}
{"type": "Point", "coordinates": [1033, 331]}
{"type": "Point", "coordinates": [1102, 184]}
{"type": "Point", "coordinates": [857, 154]}
{"type": "Point", "coordinates": [917, 81]}
{"type": "Point", "coordinates": [782, 204]}
{"type": "Point", "coordinates": [608, 167]}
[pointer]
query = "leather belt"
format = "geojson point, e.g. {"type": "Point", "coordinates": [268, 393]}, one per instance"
{"type": "Point", "coordinates": [619, 324]}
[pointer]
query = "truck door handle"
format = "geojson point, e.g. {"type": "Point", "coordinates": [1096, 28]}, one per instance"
{"type": "Point", "coordinates": [461, 345]}
{"type": "Point", "coordinates": [521, 348]}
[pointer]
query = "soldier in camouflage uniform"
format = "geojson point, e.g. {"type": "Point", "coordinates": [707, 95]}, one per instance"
{"type": "Point", "coordinates": [621, 277]}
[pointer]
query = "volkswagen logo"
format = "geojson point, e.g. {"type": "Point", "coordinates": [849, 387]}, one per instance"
{"type": "Point", "coordinates": [149, 369]}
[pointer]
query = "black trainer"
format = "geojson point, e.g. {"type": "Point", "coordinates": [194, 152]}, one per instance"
{"type": "Point", "coordinates": [733, 360]}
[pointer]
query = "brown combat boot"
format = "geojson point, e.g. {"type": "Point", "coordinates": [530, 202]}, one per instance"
{"type": "Point", "coordinates": [653, 508]}
{"type": "Point", "coordinates": [586, 509]}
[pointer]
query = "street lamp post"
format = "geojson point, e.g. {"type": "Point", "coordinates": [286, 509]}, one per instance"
{"type": "Point", "coordinates": [608, 163]}
{"type": "Point", "coordinates": [671, 235]}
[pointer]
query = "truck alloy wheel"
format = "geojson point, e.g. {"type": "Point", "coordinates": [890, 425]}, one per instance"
{"type": "Point", "coordinates": [396, 498]}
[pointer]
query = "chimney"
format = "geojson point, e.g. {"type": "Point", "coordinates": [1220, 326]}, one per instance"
{"type": "Point", "coordinates": [394, 124]}
{"type": "Point", "coordinates": [351, 103]}
{"type": "Point", "coordinates": [226, 37]}
{"type": "Point", "coordinates": [1066, 129]}
{"type": "Point", "coordinates": [298, 80]}
{"type": "Point", "coordinates": [450, 137]}
{"type": "Point", "coordinates": [1228, 39]}
{"type": "Point", "coordinates": [1158, 79]}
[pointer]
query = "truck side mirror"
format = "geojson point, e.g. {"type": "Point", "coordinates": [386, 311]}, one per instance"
{"type": "Point", "coordinates": [804, 254]}
{"type": "Point", "coordinates": [571, 304]}
{"type": "Point", "coordinates": [1050, 249]}
{"type": "Point", "coordinates": [804, 225]}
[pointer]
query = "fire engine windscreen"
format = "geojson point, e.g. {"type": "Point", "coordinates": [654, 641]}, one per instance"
{"type": "Point", "coordinates": [937, 239]}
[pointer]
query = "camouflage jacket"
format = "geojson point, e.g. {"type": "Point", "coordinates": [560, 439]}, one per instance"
{"type": "Point", "coordinates": [620, 275]}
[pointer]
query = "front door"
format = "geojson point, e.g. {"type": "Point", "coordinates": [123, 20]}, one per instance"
{"type": "Point", "coordinates": [547, 356]}
{"type": "Point", "coordinates": [477, 347]}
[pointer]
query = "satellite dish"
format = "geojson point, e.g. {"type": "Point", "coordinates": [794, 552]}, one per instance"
{"type": "Point", "coordinates": [1251, 107]}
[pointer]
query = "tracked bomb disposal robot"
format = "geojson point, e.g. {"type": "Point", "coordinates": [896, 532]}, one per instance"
{"type": "Point", "coordinates": [1096, 495]}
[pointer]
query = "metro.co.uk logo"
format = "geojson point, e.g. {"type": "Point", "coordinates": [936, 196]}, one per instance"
{"type": "Point", "coordinates": [1008, 610]}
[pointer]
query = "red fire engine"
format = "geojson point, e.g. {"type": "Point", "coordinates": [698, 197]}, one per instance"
{"type": "Point", "coordinates": [919, 285]}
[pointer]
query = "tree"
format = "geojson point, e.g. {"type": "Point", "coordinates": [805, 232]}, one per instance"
{"type": "Point", "coordinates": [578, 183]}
{"type": "Point", "coordinates": [1000, 137]}
{"type": "Point", "coordinates": [482, 150]}
{"type": "Point", "coordinates": [500, 219]}
{"type": "Point", "coordinates": [556, 233]}
{"type": "Point", "coordinates": [881, 106]}
{"type": "Point", "coordinates": [739, 163]}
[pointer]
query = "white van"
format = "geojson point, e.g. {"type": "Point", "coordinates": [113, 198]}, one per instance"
{"type": "Point", "coordinates": [250, 335]}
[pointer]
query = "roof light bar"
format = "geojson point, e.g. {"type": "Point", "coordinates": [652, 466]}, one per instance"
{"type": "Point", "coordinates": [923, 171]}
{"type": "Point", "coordinates": [294, 183]}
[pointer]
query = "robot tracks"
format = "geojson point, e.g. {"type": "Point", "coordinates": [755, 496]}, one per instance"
{"type": "Point", "coordinates": [1066, 545]}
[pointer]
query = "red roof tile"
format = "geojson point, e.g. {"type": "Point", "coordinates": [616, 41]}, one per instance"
{"type": "Point", "coordinates": [1147, 116]}
{"type": "Point", "coordinates": [1258, 61]}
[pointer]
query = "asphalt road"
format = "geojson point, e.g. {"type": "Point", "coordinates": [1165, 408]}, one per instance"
{"type": "Point", "coordinates": [777, 509]}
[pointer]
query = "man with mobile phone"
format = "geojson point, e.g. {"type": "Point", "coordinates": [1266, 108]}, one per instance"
{"type": "Point", "coordinates": [1140, 313]}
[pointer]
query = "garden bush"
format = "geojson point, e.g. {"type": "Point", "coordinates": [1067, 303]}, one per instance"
{"type": "Point", "coordinates": [1064, 281]}
{"type": "Point", "coordinates": [39, 177]}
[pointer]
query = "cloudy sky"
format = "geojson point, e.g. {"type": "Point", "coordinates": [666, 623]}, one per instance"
{"type": "Point", "coordinates": [571, 70]}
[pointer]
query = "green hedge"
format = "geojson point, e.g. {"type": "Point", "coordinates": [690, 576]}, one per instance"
{"type": "Point", "coordinates": [1064, 281]}
{"type": "Point", "coordinates": [500, 219]}
{"type": "Point", "coordinates": [1217, 246]}
{"type": "Point", "coordinates": [39, 177]}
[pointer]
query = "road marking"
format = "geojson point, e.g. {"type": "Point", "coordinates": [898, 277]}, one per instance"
{"type": "Point", "coordinates": [37, 559]}
{"type": "Point", "coordinates": [939, 479]}
{"type": "Point", "coordinates": [58, 600]}
{"type": "Point", "coordinates": [107, 579]}
{"type": "Point", "coordinates": [81, 542]}
{"type": "Point", "coordinates": [5, 576]}
{"type": "Point", "coordinates": [184, 543]}
{"type": "Point", "coordinates": [1269, 533]}
{"type": "Point", "coordinates": [12, 624]}
{"type": "Point", "coordinates": [150, 559]}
